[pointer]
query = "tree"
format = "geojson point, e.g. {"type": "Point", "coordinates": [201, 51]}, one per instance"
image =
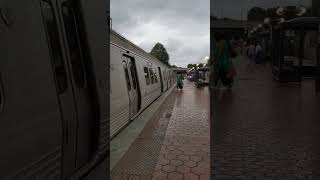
{"type": "Point", "coordinates": [174, 66]}
{"type": "Point", "coordinates": [190, 66]}
{"type": "Point", "coordinates": [160, 52]}
{"type": "Point", "coordinates": [257, 14]}
{"type": "Point", "coordinates": [200, 65]}
{"type": "Point", "coordinates": [272, 13]}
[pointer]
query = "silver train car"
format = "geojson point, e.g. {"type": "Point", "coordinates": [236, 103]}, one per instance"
{"type": "Point", "coordinates": [53, 82]}
{"type": "Point", "coordinates": [137, 79]}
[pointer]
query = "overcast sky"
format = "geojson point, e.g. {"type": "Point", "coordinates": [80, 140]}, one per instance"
{"type": "Point", "coordinates": [182, 26]}
{"type": "Point", "coordinates": [233, 8]}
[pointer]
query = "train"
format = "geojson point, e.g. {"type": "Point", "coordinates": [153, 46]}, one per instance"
{"type": "Point", "coordinates": [54, 109]}
{"type": "Point", "coordinates": [58, 62]}
{"type": "Point", "coordinates": [137, 79]}
{"type": "Point", "coordinates": [57, 67]}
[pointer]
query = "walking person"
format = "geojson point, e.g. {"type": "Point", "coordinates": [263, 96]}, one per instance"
{"type": "Point", "coordinates": [223, 62]}
{"type": "Point", "coordinates": [251, 52]}
{"type": "Point", "coordinates": [258, 51]}
{"type": "Point", "coordinates": [179, 81]}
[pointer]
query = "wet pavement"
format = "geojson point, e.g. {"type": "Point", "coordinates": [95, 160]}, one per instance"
{"type": "Point", "coordinates": [263, 129]}
{"type": "Point", "coordinates": [185, 150]}
{"type": "Point", "coordinates": [175, 144]}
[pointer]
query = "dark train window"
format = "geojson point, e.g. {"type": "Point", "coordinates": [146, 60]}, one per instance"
{"type": "Point", "coordinates": [151, 76]}
{"type": "Point", "coordinates": [75, 50]}
{"type": "Point", "coordinates": [146, 75]}
{"type": "Point", "coordinates": [54, 46]}
{"type": "Point", "coordinates": [155, 76]}
{"type": "Point", "coordinates": [133, 76]}
{"type": "Point", "coordinates": [126, 74]}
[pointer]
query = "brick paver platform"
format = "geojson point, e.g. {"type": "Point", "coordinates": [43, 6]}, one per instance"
{"type": "Point", "coordinates": [263, 129]}
{"type": "Point", "coordinates": [174, 145]}
{"type": "Point", "coordinates": [185, 150]}
{"type": "Point", "coordinates": [140, 160]}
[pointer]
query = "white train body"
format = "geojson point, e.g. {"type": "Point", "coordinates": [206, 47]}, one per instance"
{"type": "Point", "coordinates": [137, 79]}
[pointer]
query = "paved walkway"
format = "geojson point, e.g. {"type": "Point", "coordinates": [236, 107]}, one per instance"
{"type": "Point", "coordinates": [263, 129]}
{"type": "Point", "coordinates": [175, 144]}
{"type": "Point", "coordinates": [185, 150]}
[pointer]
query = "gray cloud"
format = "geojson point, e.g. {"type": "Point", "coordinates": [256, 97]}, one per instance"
{"type": "Point", "coordinates": [182, 26]}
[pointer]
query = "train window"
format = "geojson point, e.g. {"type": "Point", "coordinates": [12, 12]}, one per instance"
{"type": "Point", "coordinates": [54, 46]}
{"type": "Point", "coordinates": [146, 75]}
{"type": "Point", "coordinates": [155, 76]}
{"type": "Point", "coordinates": [126, 74]}
{"type": "Point", "coordinates": [75, 51]}
{"type": "Point", "coordinates": [164, 76]}
{"type": "Point", "coordinates": [133, 76]}
{"type": "Point", "coordinates": [151, 76]}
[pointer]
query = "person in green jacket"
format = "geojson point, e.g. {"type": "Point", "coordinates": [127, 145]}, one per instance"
{"type": "Point", "coordinates": [179, 81]}
{"type": "Point", "coordinates": [222, 61]}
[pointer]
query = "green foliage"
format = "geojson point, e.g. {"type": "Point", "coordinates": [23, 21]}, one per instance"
{"type": "Point", "coordinates": [200, 65]}
{"type": "Point", "coordinates": [160, 52]}
{"type": "Point", "coordinates": [189, 66]}
{"type": "Point", "coordinates": [257, 14]}
{"type": "Point", "coordinates": [271, 13]}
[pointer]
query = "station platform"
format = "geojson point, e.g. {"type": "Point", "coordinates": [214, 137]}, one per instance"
{"type": "Point", "coordinates": [264, 129]}
{"type": "Point", "coordinates": [174, 144]}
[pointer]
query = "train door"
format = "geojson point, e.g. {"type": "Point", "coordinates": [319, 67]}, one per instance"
{"type": "Point", "coordinates": [46, 104]}
{"type": "Point", "coordinates": [76, 100]}
{"type": "Point", "coordinates": [30, 126]}
{"type": "Point", "coordinates": [133, 85]}
{"type": "Point", "coordinates": [161, 81]}
{"type": "Point", "coordinates": [78, 67]}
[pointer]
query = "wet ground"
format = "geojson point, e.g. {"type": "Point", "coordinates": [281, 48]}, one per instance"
{"type": "Point", "coordinates": [175, 144]}
{"type": "Point", "coordinates": [263, 129]}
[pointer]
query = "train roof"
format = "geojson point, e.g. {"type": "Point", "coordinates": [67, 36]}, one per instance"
{"type": "Point", "coordinates": [119, 40]}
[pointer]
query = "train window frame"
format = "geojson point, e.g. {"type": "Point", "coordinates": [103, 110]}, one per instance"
{"type": "Point", "coordinates": [151, 75]}
{"type": "Point", "coordinates": [76, 53]}
{"type": "Point", "coordinates": [133, 75]}
{"type": "Point", "coordinates": [54, 46]}
{"type": "Point", "coordinates": [155, 76]}
{"type": "Point", "coordinates": [126, 74]}
{"type": "Point", "coordinates": [146, 75]}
